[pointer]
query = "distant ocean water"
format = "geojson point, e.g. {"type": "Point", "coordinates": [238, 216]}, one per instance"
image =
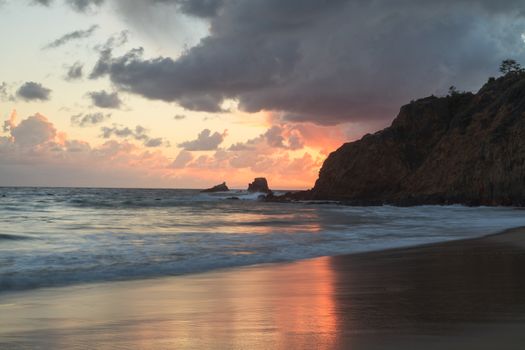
{"type": "Point", "coordinates": [62, 236]}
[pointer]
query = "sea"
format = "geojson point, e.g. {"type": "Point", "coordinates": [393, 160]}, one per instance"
{"type": "Point", "coordinates": [62, 236]}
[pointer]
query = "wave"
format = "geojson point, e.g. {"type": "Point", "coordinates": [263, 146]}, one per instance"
{"type": "Point", "coordinates": [160, 201]}
{"type": "Point", "coordinates": [182, 255]}
{"type": "Point", "coordinates": [95, 235]}
{"type": "Point", "coordinates": [10, 237]}
{"type": "Point", "coordinates": [178, 263]}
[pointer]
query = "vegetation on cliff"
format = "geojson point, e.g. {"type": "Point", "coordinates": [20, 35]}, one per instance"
{"type": "Point", "coordinates": [462, 148]}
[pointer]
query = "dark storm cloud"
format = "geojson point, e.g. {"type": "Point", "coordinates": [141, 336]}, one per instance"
{"type": "Point", "coordinates": [76, 35]}
{"type": "Point", "coordinates": [31, 91]}
{"type": "Point", "coordinates": [326, 61]}
{"type": "Point", "coordinates": [75, 72]}
{"type": "Point", "coordinates": [103, 99]}
{"type": "Point", "coordinates": [199, 8]}
{"type": "Point", "coordinates": [89, 119]}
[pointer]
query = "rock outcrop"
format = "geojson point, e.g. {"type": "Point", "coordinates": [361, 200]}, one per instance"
{"type": "Point", "coordinates": [259, 184]}
{"type": "Point", "coordinates": [464, 148]}
{"type": "Point", "coordinates": [218, 188]}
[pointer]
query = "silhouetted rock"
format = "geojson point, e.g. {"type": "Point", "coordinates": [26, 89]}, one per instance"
{"type": "Point", "coordinates": [259, 184]}
{"type": "Point", "coordinates": [465, 148]}
{"type": "Point", "coordinates": [219, 188]}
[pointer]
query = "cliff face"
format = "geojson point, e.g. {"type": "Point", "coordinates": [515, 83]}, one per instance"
{"type": "Point", "coordinates": [463, 148]}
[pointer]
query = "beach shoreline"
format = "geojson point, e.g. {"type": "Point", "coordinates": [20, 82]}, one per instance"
{"type": "Point", "coordinates": [464, 293]}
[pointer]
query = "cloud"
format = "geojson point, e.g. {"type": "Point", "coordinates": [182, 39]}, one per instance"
{"type": "Point", "coordinates": [278, 166]}
{"type": "Point", "coordinates": [101, 68]}
{"type": "Point", "coordinates": [75, 71]}
{"type": "Point", "coordinates": [179, 117]}
{"type": "Point", "coordinates": [284, 136]}
{"type": "Point", "coordinates": [4, 93]}
{"type": "Point", "coordinates": [35, 152]}
{"type": "Point", "coordinates": [105, 99]}
{"type": "Point", "coordinates": [156, 142]}
{"type": "Point", "coordinates": [85, 5]}
{"type": "Point", "coordinates": [43, 2]}
{"type": "Point", "coordinates": [283, 153]}
{"type": "Point", "coordinates": [183, 158]}
{"type": "Point", "coordinates": [10, 123]}
{"type": "Point", "coordinates": [140, 133]}
{"type": "Point", "coordinates": [206, 141]}
{"type": "Point", "coordinates": [77, 5]}
{"type": "Point", "coordinates": [33, 131]}
{"type": "Point", "coordinates": [89, 119]}
{"type": "Point", "coordinates": [274, 137]}
{"type": "Point", "coordinates": [198, 8]}
{"type": "Point", "coordinates": [326, 62]}
{"type": "Point", "coordinates": [76, 35]}
{"type": "Point", "coordinates": [114, 41]}
{"type": "Point", "coordinates": [31, 91]}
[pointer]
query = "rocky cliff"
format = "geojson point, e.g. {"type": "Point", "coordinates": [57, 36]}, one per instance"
{"type": "Point", "coordinates": [463, 148]}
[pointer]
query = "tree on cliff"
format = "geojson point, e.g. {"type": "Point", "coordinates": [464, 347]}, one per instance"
{"type": "Point", "coordinates": [510, 66]}
{"type": "Point", "coordinates": [453, 91]}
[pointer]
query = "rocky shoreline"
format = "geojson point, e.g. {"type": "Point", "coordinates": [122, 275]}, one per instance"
{"type": "Point", "coordinates": [463, 148]}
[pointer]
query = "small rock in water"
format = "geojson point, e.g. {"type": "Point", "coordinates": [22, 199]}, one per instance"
{"type": "Point", "coordinates": [218, 188]}
{"type": "Point", "coordinates": [259, 184]}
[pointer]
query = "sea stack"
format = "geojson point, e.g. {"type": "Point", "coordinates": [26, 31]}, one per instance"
{"type": "Point", "coordinates": [218, 188]}
{"type": "Point", "coordinates": [259, 184]}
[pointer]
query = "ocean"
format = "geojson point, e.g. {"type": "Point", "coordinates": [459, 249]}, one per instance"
{"type": "Point", "coordinates": [65, 236]}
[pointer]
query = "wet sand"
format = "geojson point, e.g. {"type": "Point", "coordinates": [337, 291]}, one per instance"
{"type": "Point", "coordinates": [466, 294]}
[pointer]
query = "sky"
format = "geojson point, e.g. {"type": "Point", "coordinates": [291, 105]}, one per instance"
{"type": "Point", "coordinates": [191, 93]}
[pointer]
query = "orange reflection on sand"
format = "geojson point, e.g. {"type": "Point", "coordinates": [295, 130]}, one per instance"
{"type": "Point", "coordinates": [308, 315]}
{"type": "Point", "coordinates": [281, 306]}
{"type": "Point", "coordinates": [285, 306]}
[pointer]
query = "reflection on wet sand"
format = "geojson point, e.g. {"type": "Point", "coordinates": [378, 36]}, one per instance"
{"type": "Point", "coordinates": [288, 305]}
{"type": "Point", "coordinates": [432, 292]}
{"type": "Point", "coordinates": [461, 295]}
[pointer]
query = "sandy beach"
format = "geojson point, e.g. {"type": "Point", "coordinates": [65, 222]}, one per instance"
{"type": "Point", "coordinates": [467, 294]}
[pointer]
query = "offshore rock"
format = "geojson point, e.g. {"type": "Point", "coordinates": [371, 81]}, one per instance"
{"type": "Point", "coordinates": [259, 184]}
{"type": "Point", "coordinates": [218, 188]}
